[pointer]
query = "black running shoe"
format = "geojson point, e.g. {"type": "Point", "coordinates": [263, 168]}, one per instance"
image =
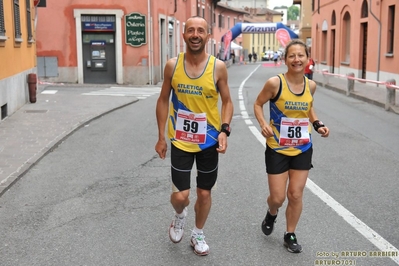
{"type": "Point", "coordinates": [290, 242]}
{"type": "Point", "coordinates": [268, 223]}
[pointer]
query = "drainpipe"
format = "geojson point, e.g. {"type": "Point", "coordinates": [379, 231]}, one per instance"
{"type": "Point", "coordinates": [379, 44]}
{"type": "Point", "coordinates": [152, 52]}
{"type": "Point", "coordinates": [150, 66]}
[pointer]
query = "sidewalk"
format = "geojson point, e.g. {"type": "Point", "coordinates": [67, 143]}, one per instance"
{"type": "Point", "coordinates": [35, 129]}
{"type": "Point", "coordinates": [366, 92]}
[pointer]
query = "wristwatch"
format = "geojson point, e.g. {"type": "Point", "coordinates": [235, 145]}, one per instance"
{"type": "Point", "coordinates": [317, 124]}
{"type": "Point", "coordinates": [226, 129]}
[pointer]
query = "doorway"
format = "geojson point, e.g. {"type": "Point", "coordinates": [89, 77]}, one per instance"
{"type": "Point", "coordinates": [363, 56]}
{"type": "Point", "coordinates": [333, 51]}
{"type": "Point", "coordinates": [99, 58]}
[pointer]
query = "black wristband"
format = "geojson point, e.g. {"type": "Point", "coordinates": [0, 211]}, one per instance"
{"type": "Point", "coordinates": [226, 129]}
{"type": "Point", "coordinates": [317, 124]}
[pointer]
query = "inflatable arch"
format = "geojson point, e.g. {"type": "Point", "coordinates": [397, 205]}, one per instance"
{"type": "Point", "coordinates": [283, 34]}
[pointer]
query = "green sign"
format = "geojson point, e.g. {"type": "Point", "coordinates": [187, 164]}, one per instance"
{"type": "Point", "coordinates": [135, 29]}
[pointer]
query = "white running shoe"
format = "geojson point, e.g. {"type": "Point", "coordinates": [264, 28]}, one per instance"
{"type": "Point", "coordinates": [176, 229]}
{"type": "Point", "coordinates": [199, 244]}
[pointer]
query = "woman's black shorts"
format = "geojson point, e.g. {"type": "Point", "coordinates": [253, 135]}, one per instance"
{"type": "Point", "coordinates": [277, 163]}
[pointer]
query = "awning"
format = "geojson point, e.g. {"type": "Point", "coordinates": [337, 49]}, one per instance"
{"type": "Point", "coordinates": [235, 46]}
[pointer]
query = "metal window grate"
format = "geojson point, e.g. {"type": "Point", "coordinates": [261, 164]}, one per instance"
{"type": "Point", "coordinates": [98, 18]}
{"type": "Point", "coordinates": [3, 109]}
{"type": "Point", "coordinates": [2, 25]}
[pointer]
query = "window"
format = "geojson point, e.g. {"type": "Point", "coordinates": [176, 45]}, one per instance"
{"type": "Point", "coordinates": [324, 45]}
{"type": "Point", "coordinates": [2, 25]}
{"type": "Point", "coordinates": [391, 29]}
{"type": "Point", "coordinates": [29, 21]}
{"type": "Point", "coordinates": [346, 37]}
{"type": "Point", "coordinates": [365, 9]}
{"type": "Point", "coordinates": [17, 20]}
{"type": "Point", "coordinates": [333, 19]}
{"type": "Point", "coordinates": [221, 21]}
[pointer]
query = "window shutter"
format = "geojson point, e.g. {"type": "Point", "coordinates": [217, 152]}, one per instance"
{"type": "Point", "coordinates": [29, 20]}
{"type": "Point", "coordinates": [2, 25]}
{"type": "Point", "coordinates": [17, 20]}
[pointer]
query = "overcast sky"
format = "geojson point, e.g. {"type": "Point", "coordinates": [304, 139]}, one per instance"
{"type": "Point", "coordinates": [274, 3]}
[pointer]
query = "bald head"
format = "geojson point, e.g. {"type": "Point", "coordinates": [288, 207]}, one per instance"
{"type": "Point", "coordinates": [196, 20]}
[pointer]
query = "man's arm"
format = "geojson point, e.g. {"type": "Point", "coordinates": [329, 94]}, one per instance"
{"type": "Point", "coordinates": [222, 84]}
{"type": "Point", "coordinates": [162, 108]}
{"type": "Point", "coordinates": [227, 104]}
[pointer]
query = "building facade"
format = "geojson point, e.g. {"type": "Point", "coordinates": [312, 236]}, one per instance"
{"type": "Point", "coordinates": [84, 41]}
{"type": "Point", "coordinates": [258, 11]}
{"type": "Point", "coordinates": [17, 53]}
{"type": "Point", "coordinates": [357, 37]}
{"type": "Point", "coordinates": [259, 43]}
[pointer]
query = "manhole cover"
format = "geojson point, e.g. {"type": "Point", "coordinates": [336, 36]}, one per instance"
{"type": "Point", "coordinates": [36, 111]}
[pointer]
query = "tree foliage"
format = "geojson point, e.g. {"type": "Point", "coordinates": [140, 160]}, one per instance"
{"type": "Point", "coordinates": [293, 13]}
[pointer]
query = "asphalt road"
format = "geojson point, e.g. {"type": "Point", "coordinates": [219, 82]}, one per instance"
{"type": "Point", "coordinates": [102, 197]}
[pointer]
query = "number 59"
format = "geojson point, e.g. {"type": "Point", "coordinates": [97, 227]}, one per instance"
{"type": "Point", "coordinates": [191, 126]}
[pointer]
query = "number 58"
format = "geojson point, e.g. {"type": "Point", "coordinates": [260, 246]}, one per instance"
{"type": "Point", "coordinates": [294, 132]}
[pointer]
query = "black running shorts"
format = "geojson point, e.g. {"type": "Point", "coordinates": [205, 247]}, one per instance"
{"type": "Point", "coordinates": [207, 167]}
{"type": "Point", "coordinates": [277, 163]}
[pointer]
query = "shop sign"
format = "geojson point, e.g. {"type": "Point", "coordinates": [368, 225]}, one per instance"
{"type": "Point", "coordinates": [135, 30]}
{"type": "Point", "coordinates": [98, 26]}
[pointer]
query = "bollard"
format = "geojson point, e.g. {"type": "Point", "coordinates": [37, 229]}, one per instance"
{"type": "Point", "coordinates": [32, 86]}
{"type": "Point", "coordinates": [351, 84]}
{"type": "Point", "coordinates": [390, 95]}
{"type": "Point", "coordinates": [325, 77]}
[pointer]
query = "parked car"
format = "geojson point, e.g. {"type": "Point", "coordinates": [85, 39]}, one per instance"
{"type": "Point", "coordinates": [267, 56]}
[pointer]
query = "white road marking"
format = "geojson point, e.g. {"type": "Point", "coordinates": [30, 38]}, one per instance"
{"type": "Point", "coordinates": [49, 92]}
{"type": "Point", "coordinates": [138, 92]}
{"type": "Point", "coordinates": [349, 217]}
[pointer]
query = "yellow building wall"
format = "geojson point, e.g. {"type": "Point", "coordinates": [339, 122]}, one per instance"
{"type": "Point", "coordinates": [17, 59]}
{"type": "Point", "coordinates": [262, 41]}
{"type": "Point", "coordinates": [305, 26]}
{"type": "Point", "coordinates": [16, 56]}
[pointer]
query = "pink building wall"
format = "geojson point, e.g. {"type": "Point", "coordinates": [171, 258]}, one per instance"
{"type": "Point", "coordinates": [367, 36]}
{"type": "Point", "coordinates": [59, 36]}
